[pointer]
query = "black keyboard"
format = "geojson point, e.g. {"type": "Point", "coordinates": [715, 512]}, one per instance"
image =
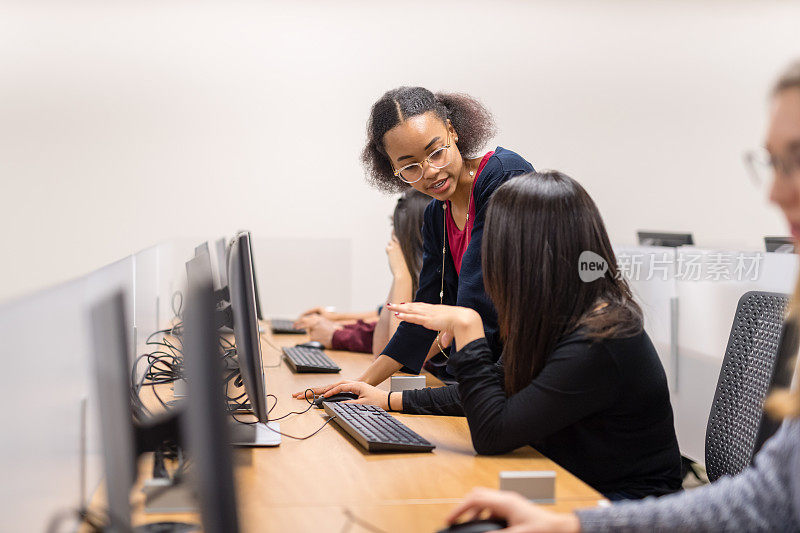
{"type": "Point", "coordinates": [375, 429]}
{"type": "Point", "coordinates": [282, 326]}
{"type": "Point", "coordinates": [303, 359]}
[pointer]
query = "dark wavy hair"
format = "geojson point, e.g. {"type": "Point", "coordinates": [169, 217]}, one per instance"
{"type": "Point", "coordinates": [470, 119]}
{"type": "Point", "coordinates": [537, 226]}
{"type": "Point", "coordinates": [407, 221]}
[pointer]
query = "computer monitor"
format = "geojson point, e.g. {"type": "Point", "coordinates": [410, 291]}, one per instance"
{"type": "Point", "coordinates": [673, 240]}
{"type": "Point", "coordinates": [222, 262]}
{"type": "Point", "coordinates": [206, 429]}
{"type": "Point", "coordinates": [779, 244]}
{"type": "Point", "coordinates": [116, 419]}
{"type": "Point", "coordinates": [248, 346]}
{"type": "Point", "coordinates": [259, 314]}
{"type": "Point", "coordinates": [198, 268]}
{"type": "Point", "coordinates": [201, 248]}
{"type": "Point", "coordinates": [204, 248]}
{"type": "Point", "coordinates": [123, 440]}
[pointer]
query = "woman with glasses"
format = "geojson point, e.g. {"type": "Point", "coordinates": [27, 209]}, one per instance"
{"type": "Point", "coordinates": [431, 142]}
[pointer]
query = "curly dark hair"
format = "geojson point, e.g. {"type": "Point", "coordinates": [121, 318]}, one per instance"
{"type": "Point", "coordinates": [471, 120]}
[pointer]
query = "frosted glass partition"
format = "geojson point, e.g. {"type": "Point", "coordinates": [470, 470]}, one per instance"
{"type": "Point", "coordinates": [709, 285]}
{"type": "Point", "coordinates": [146, 301]}
{"type": "Point", "coordinates": [650, 272]}
{"type": "Point", "coordinates": [120, 275]}
{"type": "Point", "coordinates": [44, 380]}
{"type": "Point", "coordinates": [173, 266]}
{"type": "Point", "coordinates": [689, 297]}
{"type": "Point", "coordinates": [47, 376]}
{"type": "Point", "coordinates": [295, 274]}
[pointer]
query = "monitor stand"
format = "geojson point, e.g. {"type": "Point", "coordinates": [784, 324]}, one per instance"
{"type": "Point", "coordinates": [240, 409]}
{"type": "Point", "coordinates": [254, 434]}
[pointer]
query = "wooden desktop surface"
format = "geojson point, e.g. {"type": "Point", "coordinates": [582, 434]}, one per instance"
{"type": "Point", "coordinates": [313, 484]}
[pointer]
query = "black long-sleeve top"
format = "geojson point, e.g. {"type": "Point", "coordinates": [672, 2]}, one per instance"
{"type": "Point", "coordinates": [599, 409]}
{"type": "Point", "coordinates": [410, 343]}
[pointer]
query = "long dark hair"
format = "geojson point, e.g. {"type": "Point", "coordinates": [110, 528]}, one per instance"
{"type": "Point", "coordinates": [537, 226]}
{"type": "Point", "coordinates": [407, 222]}
{"type": "Point", "coordinates": [470, 119]}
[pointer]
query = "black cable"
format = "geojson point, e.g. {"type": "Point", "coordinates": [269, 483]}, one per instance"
{"type": "Point", "coordinates": [162, 368]}
{"type": "Point", "coordinates": [180, 306]}
{"type": "Point", "coordinates": [301, 438]}
{"type": "Point", "coordinates": [254, 422]}
{"type": "Point", "coordinates": [311, 404]}
{"type": "Point", "coordinates": [234, 376]}
{"type": "Point", "coordinates": [280, 352]}
{"type": "Point", "coordinates": [353, 519]}
{"type": "Point", "coordinates": [172, 331]}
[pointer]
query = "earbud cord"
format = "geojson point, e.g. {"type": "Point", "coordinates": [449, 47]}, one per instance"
{"type": "Point", "coordinates": [444, 252]}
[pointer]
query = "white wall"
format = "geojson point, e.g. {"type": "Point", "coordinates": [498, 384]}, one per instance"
{"type": "Point", "coordinates": [126, 124]}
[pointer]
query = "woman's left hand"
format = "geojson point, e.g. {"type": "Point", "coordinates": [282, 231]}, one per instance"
{"type": "Point", "coordinates": [459, 323]}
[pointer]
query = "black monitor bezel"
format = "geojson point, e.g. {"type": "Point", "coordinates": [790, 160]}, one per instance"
{"type": "Point", "coordinates": [245, 324]}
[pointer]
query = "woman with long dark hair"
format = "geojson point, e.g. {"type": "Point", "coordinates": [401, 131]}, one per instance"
{"type": "Point", "coordinates": [765, 496]}
{"type": "Point", "coordinates": [370, 331]}
{"type": "Point", "coordinates": [579, 378]}
{"type": "Point", "coordinates": [433, 142]}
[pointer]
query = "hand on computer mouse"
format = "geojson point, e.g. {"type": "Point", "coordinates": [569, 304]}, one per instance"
{"type": "Point", "coordinates": [521, 515]}
{"type": "Point", "coordinates": [367, 394]}
{"type": "Point", "coordinates": [340, 397]}
{"type": "Point", "coordinates": [318, 391]}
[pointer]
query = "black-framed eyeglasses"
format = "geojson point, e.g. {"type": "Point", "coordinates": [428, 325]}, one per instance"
{"type": "Point", "coordinates": [413, 172]}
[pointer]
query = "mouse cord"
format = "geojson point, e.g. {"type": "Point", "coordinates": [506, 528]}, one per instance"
{"type": "Point", "coordinates": [280, 352]}
{"type": "Point", "coordinates": [310, 405]}
{"type": "Point", "coordinates": [353, 519]}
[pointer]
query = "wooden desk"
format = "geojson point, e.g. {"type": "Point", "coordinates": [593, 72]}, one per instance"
{"type": "Point", "coordinates": [307, 485]}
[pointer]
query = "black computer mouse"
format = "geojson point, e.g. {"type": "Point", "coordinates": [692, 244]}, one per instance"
{"type": "Point", "coordinates": [475, 526]}
{"type": "Point", "coordinates": [342, 396]}
{"type": "Point", "coordinates": [311, 344]}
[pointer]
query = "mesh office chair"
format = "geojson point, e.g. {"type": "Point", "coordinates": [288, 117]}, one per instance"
{"type": "Point", "coordinates": [752, 366]}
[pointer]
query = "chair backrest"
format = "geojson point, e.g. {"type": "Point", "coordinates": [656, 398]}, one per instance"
{"type": "Point", "coordinates": [735, 422]}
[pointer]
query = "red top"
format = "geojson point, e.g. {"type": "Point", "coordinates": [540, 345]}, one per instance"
{"type": "Point", "coordinates": [458, 239]}
{"type": "Point", "coordinates": [354, 337]}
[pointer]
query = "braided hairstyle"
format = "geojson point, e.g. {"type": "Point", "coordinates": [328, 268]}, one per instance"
{"type": "Point", "coordinates": [470, 119]}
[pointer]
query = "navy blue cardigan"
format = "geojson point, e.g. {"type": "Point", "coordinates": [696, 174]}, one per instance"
{"type": "Point", "coordinates": [410, 343]}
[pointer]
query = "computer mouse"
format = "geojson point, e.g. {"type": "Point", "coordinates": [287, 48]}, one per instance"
{"type": "Point", "coordinates": [342, 396]}
{"type": "Point", "coordinates": [475, 526]}
{"type": "Point", "coordinates": [311, 344]}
